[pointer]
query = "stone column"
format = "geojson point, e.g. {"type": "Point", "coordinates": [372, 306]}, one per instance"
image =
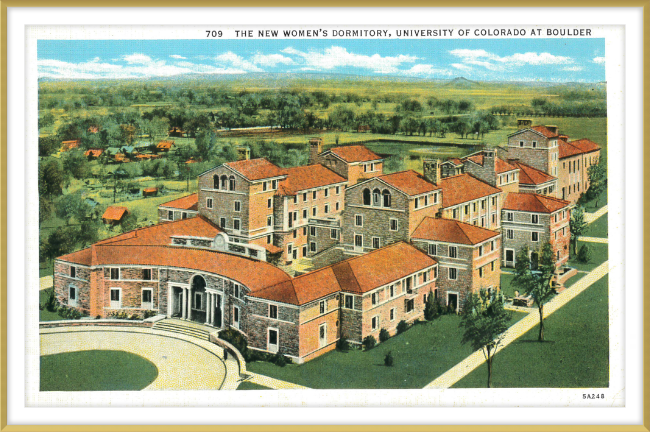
{"type": "Point", "coordinates": [208, 297]}
{"type": "Point", "coordinates": [184, 304]}
{"type": "Point", "coordinates": [189, 303]}
{"type": "Point", "coordinates": [170, 297]}
{"type": "Point", "coordinates": [213, 309]}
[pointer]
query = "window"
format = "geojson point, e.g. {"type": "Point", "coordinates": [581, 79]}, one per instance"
{"type": "Point", "coordinates": [73, 271]}
{"type": "Point", "coordinates": [304, 213]}
{"type": "Point", "coordinates": [313, 211]}
{"type": "Point", "coordinates": [170, 215]}
{"type": "Point", "coordinates": [454, 213]}
{"type": "Point", "coordinates": [235, 319]}
{"type": "Point", "coordinates": [435, 198]}
{"type": "Point", "coordinates": [480, 272]}
{"type": "Point", "coordinates": [322, 335]}
{"type": "Point", "coordinates": [375, 322]}
{"type": "Point", "coordinates": [198, 297]}
{"type": "Point", "coordinates": [313, 195]}
{"type": "Point", "coordinates": [184, 215]}
{"type": "Point", "coordinates": [432, 249]}
{"type": "Point", "coordinates": [115, 273]}
{"type": "Point", "coordinates": [417, 202]}
{"type": "Point", "coordinates": [365, 168]}
{"type": "Point", "coordinates": [116, 298]}
{"type": "Point", "coordinates": [483, 204]}
{"type": "Point", "coordinates": [334, 234]}
{"type": "Point", "coordinates": [426, 200]}
{"type": "Point", "coordinates": [312, 246]}
{"type": "Point", "coordinates": [72, 296]}
{"type": "Point", "coordinates": [374, 298]}
{"type": "Point", "coordinates": [338, 205]}
{"type": "Point", "coordinates": [215, 182]}
{"type": "Point", "coordinates": [366, 197]}
{"type": "Point", "coordinates": [312, 231]}
{"type": "Point", "coordinates": [295, 233]}
{"type": "Point", "coordinates": [452, 273]}
{"type": "Point", "coordinates": [273, 311]}
{"type": "Point", "coordinates": [467, 209]}
{"type": "Point", "coordinates": [304, 197]}
{"type": "Point", "coordinates": [326, 192]}
{"type": "Point", "coordinates": [376, 197]}
{"type": "Point", "coordinates": [338, 190]}
{"type": "Point", "coordinates": [208, 203]}
{"type": "Point", "coordinates": [264, 186]}
{"type": "Point", "coordinates": [521, 143]}
{"type": "Point", "coordinates": [509, 216]}
{"type": "Point", "coordinates": [435, 272]}
{"type": "Point", "coordinates": [409, 305]}
{"type": "Point", "coordinates": [327, 208]}
{"type": "Point", "coordinates": [556, 215]}
{"type": "Point", "coordinates": [375, 242]}
{"type": "Point", "coordinates": [269, 203]}
{"type": "Point", "coordinates": [494, 218]}
{"type": "Point", "coordinates": [510, 234]}
{"type": "Point", "coordinates": [269, 221]}
{"type": "Point", "coordinates": [494, 201]}
{"type": "Point", "coordinates": [232, 183]}
{"type": "Point", "coordinates": [480, 250]}
{"type": "Point", "coordinates": [393, 225]}
{"type": "Point", "coordinates": [223, 222]}
{"type": "Point", "coordinates": [534, 144]}
{"type": "Point", "coordinates": [274, 184]}
{"type": "Point", "coordinates": [386, 198]}
{"type": "Point", "coordinates": [391, 290]}
{"type": "Point", "coordinates": [146, 274]}
{"type": "Point", "coordinates": [392, 314]}
{"type": "Point", "coordinates": [349, 302]}
{"type": "Point", "coordinates": [323, 307]}
{"type": "Point", "coordinates": [425, 277]}
{"type": "Point", "coordinates": [224, 182]}
{"type": "Point", "coordinates": [453, 252]}
{"type": "Point", "coordinates": [492, 266]}
{"type": "Point", "coordinates": [236, 290]}
{"type": "Point", "coordinates": [473, 207]}
{"type": "Point", "coordinates": [295, 199]}
{"type": "Point", "coordinates": [269, 239]}
{"type": "Point", "coordinates": [492, 245]}
{"type": "Point", "coordinates": [236, 224]}
{"type": "Point", "coordinates": [304, 251]}
{"type": "Point", "coordinates": [534, 236]}
{"type": "Point", "coordinates": [534, 219]}
{"type": "Point", "coordinates": [358, 220]}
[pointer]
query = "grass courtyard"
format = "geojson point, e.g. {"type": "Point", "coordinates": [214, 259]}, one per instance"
{"type": "Point", "coordinates": [598, 228]}
{"type": "Point", "coordinates": [575, 353]}
{"type": "Point", "coordinates": [421, 354]}
{"type": "Point", "coordinates": [599, 254]}
{"type": "Point", "coordinates": [96, 371]}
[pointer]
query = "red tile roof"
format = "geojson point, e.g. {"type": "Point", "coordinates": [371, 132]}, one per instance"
{"type": "Point", "coordinates": [307, 177]}
{"type": "Point", "coordinates": [529, 175]}
{"type": "Point", "coordinates": [189, 202]}
{"type": "Point", "coordinates": [83, 257]}
{"type": "Point", "coordinates": [500, 166]}
{"type": "Point", "coordinates": [256, 169]}
{"type": "Point", "coordinates": [357, 275]}
{"type": "Point", "coordinates": [585, 145]}
{"type": "Point", "coordinates": [566, 150]}
{"type": "Point", "coordinates": [533, 203]}
{"type": "Point", "coordinates": [409, 182]}
{"type": "Point", "coordinates": [355, 153]}
{"type": "Point", "coordinates": [165, 145]}
{"type": "Point", "coordinates": [545, 131]}
{"type": "Point", "coordinates": [69, 145]}
{"type": "Point", "coordinates": [455, 161]}
{"type": "Point", "coordinates": [115, 213]}
{"type": "Point", "coordinates": [463, 188]}
{"type": "Point", "coordinates": [94, 152]}
{"type": "Point", "coordinates": [451, 231]}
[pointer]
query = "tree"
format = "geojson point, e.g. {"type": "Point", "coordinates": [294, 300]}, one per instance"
{"type": "Point", "coordinates": [577, 226]}
{"type": "Point", "coordinates": [430, 308]}
{"type": "Point", "coordinates": [597, 181]}
{"type": "Point", "coordinates": [50, 178]}
{"type": "Point", "coordinates": [72, 206]}
{"type": "Point", "coordinates": [536, 283]}
{"type": "Point", "coordinates": [76, 164]}
{"type": "Point", "coordinates": [584, 255]}
{"type": "Point", "coordinates": [48, 145]}
{"type": "Point", "coordinates": [205, 141]}
{"type": "Point", "coordinates": [485, 321]}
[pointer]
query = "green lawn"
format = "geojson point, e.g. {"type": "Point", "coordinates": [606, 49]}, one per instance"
{"type": "Point", "coordinates": [45, 315]}
{"type": "Point", "coordinates": [590, 206]}
{"type": "Point", "coordinates": [96, 371]}
{"type": "Point", "coordinates": [597, 228]}
{"type": "Point", "coordinates": [575, 353]}
{"type": "Point", "coordinates": [421, 354]}
{"type": "Point", "coordinates": [599, 254]}
{"type": "Point", "coordinates": [246, 385]}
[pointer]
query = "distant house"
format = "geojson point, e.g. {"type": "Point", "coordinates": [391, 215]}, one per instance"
{"type": "Point", "coordinates": [363, 128]}
{"type": "Point", "coordinates": [93, 153]}
{"type": "Point", "coordinates": [69, 145]}
{"type": "Point", "coordinates": [147, 156]}
{"type": "Point", "coordinates": [121, 157]}
{"type": "Point", "coordinates": [177, 132]}
{"type": "Point", "coordinates": [164, 146]}
{"type": "Point", "coordinates": [114, 215]}
{"type": "Point", "coordinates": [150, 191]}
{"type": "Point", "coordinates": [181, 208]}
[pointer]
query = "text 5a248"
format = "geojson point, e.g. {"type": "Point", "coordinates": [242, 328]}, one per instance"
{"type": "Point", "coordinates": [593, 395]}
{"type": "Point", "coordinates": [213, 33]}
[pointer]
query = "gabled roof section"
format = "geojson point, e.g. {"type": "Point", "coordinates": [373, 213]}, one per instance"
{"type": "Point", "coordinates": [500, 166]}
{"type": "Point", "coordinates": [409, 182]}
{"type": "Point", "coordinates": [354, 153]}
{"type": "Point", "coordinates": [545, 131]}
{"type": "Point", "coordinates": [115, 213]}
{"type": "Point", "coordinates": [573, 148]}
{"type": "Point", "coordinates": [534, 203]}
{"type": "Point", "coordinates": [529, 175]}
{"type": "Point", "coordinates": [452, 231]}
{"type": "Point", "coordinates": [83, 257]}
{"type": "Point", "coordinates": [256, 169]}
{"type": "Point", "coordinates": [307, 177]}
{"type": "Point", "coordinates": [585, 145]}
{"type": "Point", "coordinates": [453, 161]}
{"type": "Point", "coordinates": [463, 188]}
{"type": "Point", "coordinates": [189, 202]}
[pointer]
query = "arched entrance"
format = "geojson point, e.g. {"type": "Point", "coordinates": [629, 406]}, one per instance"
{"type": "Point", "coordinates": [198, 299]}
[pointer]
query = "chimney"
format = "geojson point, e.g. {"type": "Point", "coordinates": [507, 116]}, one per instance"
{"type": "Point", "coordinates": [431, 169]}
{"type": "Point", "coordinates": [489, 160]}
{"type": "Point", "coordinates": [315, 148]}
{"type": "Point", "coordinates": [564, 137]}
{"type": "Point", "coordinates": [552, 128]}
{"type": "Point", "coordinates": [524, 124]}
{"type": "Point", "coordinates": [243, 153]}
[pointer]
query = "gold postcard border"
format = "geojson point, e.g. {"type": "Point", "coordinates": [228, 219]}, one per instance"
{"type": "Point", "coordinates": [4, 427]}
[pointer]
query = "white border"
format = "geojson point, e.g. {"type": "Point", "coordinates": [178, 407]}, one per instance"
{"type": "Point", "coordinates": [20, 256]}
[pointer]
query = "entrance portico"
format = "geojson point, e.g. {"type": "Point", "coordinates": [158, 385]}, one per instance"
{"type": "Point", "coordinates": [195, 302]}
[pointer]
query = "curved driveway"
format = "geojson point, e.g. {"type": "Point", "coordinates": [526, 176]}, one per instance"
{"type": "Point", "coordinates": [183, 363]}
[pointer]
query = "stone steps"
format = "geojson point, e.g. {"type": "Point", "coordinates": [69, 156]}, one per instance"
{"type": "Point", "coordinates": [185, 328]}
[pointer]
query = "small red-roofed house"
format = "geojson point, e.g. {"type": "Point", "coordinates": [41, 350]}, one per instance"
{"type": "Point", "coordinates": [181, 208]}
{"type": "Point", "coordinates": [353, 162]}
{"type": "Point", "coordinates": [114, 215]}
{"type": "Point", "coordinates": [533, 220]}
{"type": "Point", "coordinates": [69, 145]}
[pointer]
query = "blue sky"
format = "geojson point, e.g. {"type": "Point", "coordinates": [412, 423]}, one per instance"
{"type": "Point", "coordinates": [555, 60]}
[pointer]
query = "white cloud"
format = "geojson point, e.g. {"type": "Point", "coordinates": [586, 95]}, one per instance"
{"type": "Point", "coordinates": [176, 56]}
{"type": "Point", "coordinates": [237, 62]}
{"type": "Point", "coordinates": [425, 71]}
{"type": "Point", "coordinates": [136, 58]}
{"type": "Point", "coordinates": [271, 60]}
{"type": "Point", "coordinates": [573, 69]}
{"type": "Point", "coordinates": [599, 60]}
{"type": "Point", "coordinates": [336, 57]}
{"type": "Point", "coordinates": [491, 61]}
{"type": "Point", "coordinates": [462, 67]}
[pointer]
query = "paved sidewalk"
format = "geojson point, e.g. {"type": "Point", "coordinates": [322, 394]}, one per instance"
{"type": "Point", "coordinates": [594, 239]}
{"type": "Point", "coordinates": [45, 282]}
{"type": "Point", "coordinates": [273, 383]}
{"type": "Point", "coordinates": [462, 369]}
{"type": "Point", "coordinates": [590, 217]}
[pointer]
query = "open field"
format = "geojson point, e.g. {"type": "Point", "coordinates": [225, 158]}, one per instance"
{"type": "Point", "coordinates": [421, 354]}
{"type": "Point", "coordinates": [574, 355]}
{"type": "Point", "coordinates": [96, 371]}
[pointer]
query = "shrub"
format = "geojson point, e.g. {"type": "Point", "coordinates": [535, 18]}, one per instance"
{"type": "Point", "coordinates": [149, 314]}
{"type": "Point", "coordinates": [584, 253]}
{"type": "Point", "coordinates": [342, 344]}
{"type": "Point", "coordinates": [280, 360]}
{"type": "Point", "coordinates": [431, 309]}
{"type": "Point", "coordinates": [237, 340]}
{"type": "Point", "coordinates": [50, 303]}
{"type": "Point", "coordinates": [134, 317]}
{"type": "Point", "coordinates": [369, 342]}
{"type": "Point", "coordinates": [383, 335]}
{"type": "Point", "coordinates": [388, 359]}
{"type": "Point", "coordinates": [402, 327]}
